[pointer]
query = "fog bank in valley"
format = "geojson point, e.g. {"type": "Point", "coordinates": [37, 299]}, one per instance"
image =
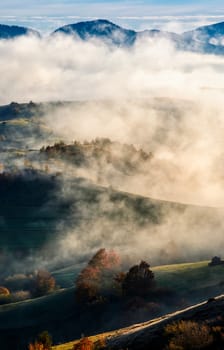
{"type": "Point", "coordinates": [160, 100]}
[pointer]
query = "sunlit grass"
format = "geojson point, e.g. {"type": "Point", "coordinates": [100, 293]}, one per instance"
{"type": "Point", "coordinates": [189, 276]}
{"type": "Point", "coordinates": [94, 338]}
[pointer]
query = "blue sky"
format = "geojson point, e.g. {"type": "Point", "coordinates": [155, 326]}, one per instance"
{"type": "Point", "coordinates": [178, 15]}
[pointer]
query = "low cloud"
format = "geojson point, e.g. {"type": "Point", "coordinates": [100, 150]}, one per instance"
{"type": "Point", "coordinates": [166, 102]}
{"type": "Point", "coordinates": [161, 100]}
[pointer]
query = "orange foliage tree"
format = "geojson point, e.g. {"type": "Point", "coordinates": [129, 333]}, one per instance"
{"type": "Point", "coordinates": [84, 344]}
{"type": "Point", "coordinates": [36, 346]}
{"type": "Point", "coordinates": [43, 284]}
{"type": "Point", "coordinates": [92, 277]}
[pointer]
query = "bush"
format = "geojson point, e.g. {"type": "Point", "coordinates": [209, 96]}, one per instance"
{"type": "Point", "coordinates": [187, 335]}
{"type": "Point", "coordinates": [100, 344]}
{"type": "Point", "coordinates": [20, 295]}
{"type": "Point", "coordinates": [4, 291]}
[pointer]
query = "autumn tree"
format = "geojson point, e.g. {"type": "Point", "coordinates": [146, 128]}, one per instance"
{"type": "Point", "coordinates": [84, 344]}
{"type": "Point", "coordinates": [43, 342]}
{"type": "Point", "coordinates": [4, 295]}
{"type": "Point", "coordinates": [36, 346]}
{"type": "Point", "coordinates": [4, 291]}
{"type": "Point", "coordinates": [45, 339]}
{"type": "Point", "coordinates": [95, 275]}
{"type": "Point", "coordinates": [43, 283]}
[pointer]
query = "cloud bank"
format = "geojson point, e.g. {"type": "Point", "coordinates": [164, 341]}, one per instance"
{"type": "Point", "coordinates": [166, 102]}
{"type": "Point", "coordinates": [184, 130]}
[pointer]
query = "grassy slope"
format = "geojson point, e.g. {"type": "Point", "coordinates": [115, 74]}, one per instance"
{"type": "Point", "coordinates": [184, 277]}
{"type": "Point", "coordinates": [181, 277]}
{"type": "Point", "coordinates": [189, 277]}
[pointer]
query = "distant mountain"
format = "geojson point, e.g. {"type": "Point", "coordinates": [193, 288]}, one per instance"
{"type": "Point", "coordinates": [211, 34]}
{"type": "Point", "coordinates": [113, 34]}
{"type": "Point", "coordinates": [204, 39]}
{"type": "Point", "coordinates": [10, 32]}
{"type": "Point", "coordinates": [100, 29]}
{"type": "Point", "coordinates": [207, 39]}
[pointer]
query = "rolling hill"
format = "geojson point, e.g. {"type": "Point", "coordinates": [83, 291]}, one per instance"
{"type": "Point", "coordinates": [43, 198]}
{"type": "Point", "coordinates": [58, 313]}
{"type": "Point", "coordinates": [44, 210]}
{"type": "Point", "coordinates": [152, 335]}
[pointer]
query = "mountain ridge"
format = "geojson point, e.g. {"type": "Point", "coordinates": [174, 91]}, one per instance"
{"type": "Point", "coordinates": [116, 35]}
{"type": "Point", "coordinates": [10, 32]}
{"type": "Point", "coordinates": [207, 39]}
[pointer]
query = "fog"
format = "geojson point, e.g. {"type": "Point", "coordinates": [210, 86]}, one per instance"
{"type": "Point", "coordinates": [164, 101]}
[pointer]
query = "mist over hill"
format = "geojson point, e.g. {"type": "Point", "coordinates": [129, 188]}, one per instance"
{"type": "Point", "coordinates": [112, 34]}
{"type": "Point", "coordinates": [119, 153]}
{"type": "Point", "coordinates": [63, 201]}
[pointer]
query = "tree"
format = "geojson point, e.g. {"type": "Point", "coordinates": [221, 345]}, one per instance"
{"type": "Point", "coordinates": [43, 284]}
{"type": "Point", "coordinates": [45, 339]}
{"type": "Point", "coordinates": [84, 344]}
{"type": "Point", "coordinates": [43, 342]}
{"type": "Point", "coordinates": [5, 296]}
{"type": "Point", "coordinates": [139, 280]}
{"type": "Point", "coordinates": [36, 346]}
{"type": "Point", "coordinates": [95, 275]}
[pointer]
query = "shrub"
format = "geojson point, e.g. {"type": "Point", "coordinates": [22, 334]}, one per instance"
{"type": "Point", "coordinates": [100, 344]}
{"type": "Point", "coordinates": [20, 295]}
{"type": "Point", "coordinates": [4, 291]}
{"type": "Point", "coordinates": [187, 335]}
